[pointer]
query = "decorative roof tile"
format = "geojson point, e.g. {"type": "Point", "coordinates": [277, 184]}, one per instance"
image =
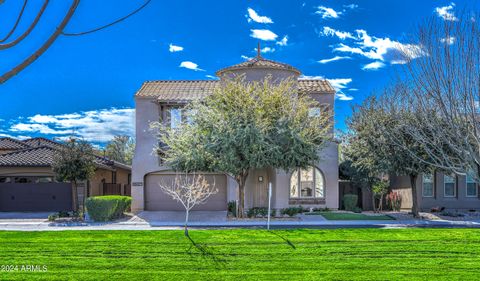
{"type": "Point", "coordinates": [31, 157]}
{"type": "Point", "coordinates": [259, 62]}
{"type": "Point", "coordinates": [36, 142]}
{"type": "Point", "coordinates": [11, 144]}
{"type": "Point", "coordinates": [187, 90]}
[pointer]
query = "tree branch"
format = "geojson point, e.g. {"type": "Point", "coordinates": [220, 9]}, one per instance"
{"type": "Point", "coordinates": [16, 22]}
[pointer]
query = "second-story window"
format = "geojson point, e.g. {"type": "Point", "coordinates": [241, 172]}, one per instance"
{"type": "Point", "coordinates": [175, 117]}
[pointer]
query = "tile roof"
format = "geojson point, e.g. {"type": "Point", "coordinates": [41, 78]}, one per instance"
{"type": "Point", "coordinates": [258, 62]}
{"type": "Point", "coordinates": [187, 90]}
{"type": "Point", "coordinates": [39, 152]}
{"type": "Point", "coordinates": [36, 142]}
{"type": "Point", "coordinates": [10, 144]}
{"type": "Point", "coordinates": [31, 157]}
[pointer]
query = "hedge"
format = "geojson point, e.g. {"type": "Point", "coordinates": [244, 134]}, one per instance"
{"type": "Point", "coordinates": [106, 208]}
{"type": "Point", "coordinates": [350, 202]}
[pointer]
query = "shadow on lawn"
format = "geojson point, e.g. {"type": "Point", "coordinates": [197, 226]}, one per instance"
{"type": "Point", "coordinates": [289, 243]}
{"type": "Point", "coordinates": [206, 252]}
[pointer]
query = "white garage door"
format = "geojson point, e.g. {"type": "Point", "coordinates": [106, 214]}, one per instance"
{"type": "Point", "coordinates": [157, 200]}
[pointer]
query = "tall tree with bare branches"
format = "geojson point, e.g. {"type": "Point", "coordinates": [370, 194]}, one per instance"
{"type": "Point", "coordinates": [443, 86]}
{"type": "Point", "coordinates": [59, 30]}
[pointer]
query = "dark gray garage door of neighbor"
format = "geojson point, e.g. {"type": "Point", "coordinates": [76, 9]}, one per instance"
{"type": "Point", "coordinates": [157, 200]}
{"type": "Point", "coordinates": [35, 197]}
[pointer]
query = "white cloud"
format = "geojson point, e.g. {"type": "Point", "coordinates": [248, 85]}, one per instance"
{"type": "Point", "coordinates": [174, 48]}
{"type": "Point", "coordinates": [326, 12]}
{"type": "Point", "coordinates": [351, 6]}
{"type": "Point", "coordinates": [373, 65]}
{"type": "Point", "coordinates": [339, 84]}
{"type": "Point", "coordinates": [266, 50]}
{"type": "Point", "coordinates": [212, 77]}
{"type": "Point", "coordinates": [374, 48]}
{"type": "Point", "coordinates": [324, 61]}
{"type": "Point", "coordinates": [283, 42]}
{"type": "Point", "coordinates": [253, 16]}
{"type": "Point", "coordinates": [95, 126]}
{"type": "Point", "coordinates": [190, 65]}
{"type": "Point", "coordinates": [342, 96]}
{"type": "Point", "coordinates": [448, 40]}
{"type": "Point", "coordinates": [328, 31]}
{"type": "Point", "coordinates": [245, 57]}
{"type": "Point", "coordinates": [263, 34]}
{"type": "Point", "coordinates": [353, 89]}
{"type": "Point", "coordinates": [446, 12]}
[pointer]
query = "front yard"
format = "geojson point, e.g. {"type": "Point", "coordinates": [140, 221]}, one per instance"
{"type": "Point", "coordinates": [303, 254]}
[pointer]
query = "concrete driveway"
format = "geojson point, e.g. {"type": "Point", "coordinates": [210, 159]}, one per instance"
{"type": "Point", "coordinates": [178, 218]}
{"type": "Point", "coordinates": [24, 216]}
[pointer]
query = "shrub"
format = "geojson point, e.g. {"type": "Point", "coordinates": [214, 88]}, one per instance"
{"type": "Point", "coordinates": [52, 217]}
{"type": "Point", "coordinates": [292, 211]}
{"type": "Point", "coordinates": [357, 210]}
{"type": "Point", "coordinates": [105, 208]}
{"type": "Point", "coordinates": [394, 201]}
{"type": "Point", "coordinates": [232, 208]}
{"type": "Point", "coordinates": [350, 201]}
{"type": "Point", "coordinates": [257, 211]}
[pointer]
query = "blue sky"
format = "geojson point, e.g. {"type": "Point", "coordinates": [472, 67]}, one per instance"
{"type": "Point", "coordinates": [85, 85]}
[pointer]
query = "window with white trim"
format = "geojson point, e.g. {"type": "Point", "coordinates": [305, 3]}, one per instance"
{"type": "Point", "coordinates": [449, 186]}
{"type": "Point", "coordinates": [472, 187]}
{"type": "Point", "coordinates": [427, 185]}
{"type": "Point", "coordinates": [307, 183]}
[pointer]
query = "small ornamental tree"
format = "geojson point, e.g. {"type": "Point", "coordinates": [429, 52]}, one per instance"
{"type": "Point", "coordinates": [190, 191]}
{"type": "Point", "coordinates": [247, 125]}
{"type": "Point", "coordinates": [74, 162]}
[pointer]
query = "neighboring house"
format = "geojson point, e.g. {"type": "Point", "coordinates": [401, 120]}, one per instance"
{"type": "Point", "coordinates": [27, 182]}
{"type": "Point", "coordinates": [439, 190]}
{"type": "Point", "coordinates": [163, 100]}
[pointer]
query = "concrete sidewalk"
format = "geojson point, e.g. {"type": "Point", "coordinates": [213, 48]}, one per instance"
{"type": "Point", "coordinates": [137, 223]}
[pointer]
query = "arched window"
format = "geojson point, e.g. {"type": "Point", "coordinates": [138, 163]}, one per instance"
{"type": "Point", "coordinates": [307, 183]}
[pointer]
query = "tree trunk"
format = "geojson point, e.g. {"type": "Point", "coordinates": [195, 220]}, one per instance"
{"type": "Point", "coordinates": [413, 185]}
{"type": "Point", "coordinates": [241, 179]}
{"type": "Point", "coordinates": [186, 222]}
{"type": "Point", "coordinates": [373, 203]}
{"type": "Point", "coordinates": [74, 195]}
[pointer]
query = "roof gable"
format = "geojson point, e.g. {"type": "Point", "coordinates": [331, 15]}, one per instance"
{"type": "Point", "coordinates": [12, 144]}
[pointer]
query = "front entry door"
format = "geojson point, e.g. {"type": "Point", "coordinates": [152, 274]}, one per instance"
{"type": "Point", "coordinates": [260, 198]}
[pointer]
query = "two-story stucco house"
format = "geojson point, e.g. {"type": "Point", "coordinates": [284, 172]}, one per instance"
{"type": "Point", "coordinates": [163, 100]}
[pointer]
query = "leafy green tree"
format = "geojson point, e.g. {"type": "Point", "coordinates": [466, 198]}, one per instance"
{"type": "Point", "coordinates": [380, 143]}
{"type": "Point", "coordinates": [74, 162]}
{"type": "Point", "coordinates": [121, 149]}
{"type": "Point", "coordinates": [244, 126]}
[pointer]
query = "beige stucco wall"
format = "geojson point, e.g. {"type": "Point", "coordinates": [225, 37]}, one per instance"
{"type": "Point", "coordinates": [145, 161]}
{"type": "Point", "coordinates": [460, 202]}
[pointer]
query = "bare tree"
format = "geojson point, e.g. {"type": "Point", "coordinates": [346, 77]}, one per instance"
{"type": "Point", "coordinates": [59, 30]}
{"type": "Point", "coordinates": [443, 87]}
{"type": "Point", "coordinates": [189, 190]}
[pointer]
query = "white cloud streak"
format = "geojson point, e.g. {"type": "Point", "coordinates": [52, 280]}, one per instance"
{"type": "Point", "coordinates": [324, 61]}
{"type": "Point", "coordinates": [373, 65]}
{"type": "Point", "coordinates": [283, 42]}
{"type": "Point", "coordinates": [254, 16]}
{"type": "Point", "coordinates": [190, 65]}
{"type": "Point", "coordinates": [263, 34]}
{"type": "Point", "coordinates": [174, 48]}
{"type": "Point", "coordinates": [446, 12]}
{"type": "Point", "coordinates": [326, 12]}
{"type": "Point", "coordinates": [328, 31]}
{"type": "Point", "coordinates": [97, 126]}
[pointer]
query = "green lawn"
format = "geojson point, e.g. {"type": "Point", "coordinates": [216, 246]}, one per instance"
{"type": "Point", "coordinates": [349, 216]}
{"type": "Point", "coordinates": [303, 254]}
